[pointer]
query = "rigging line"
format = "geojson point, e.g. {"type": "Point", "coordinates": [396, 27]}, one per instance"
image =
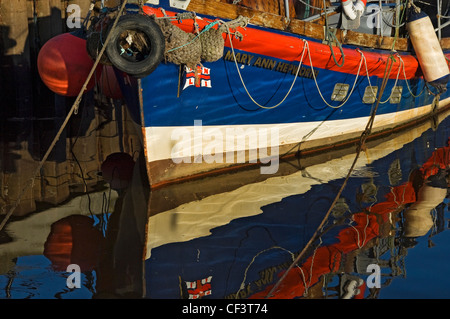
{"type": "Point", "coordinates": [362, 140]}
{"type": "Point", "coordinates": [396, 79]}
{"type": "Point", "coordinates": [367, 73]}
{"type": "Point", "coordinates": [247, 235]}
{"type": "Point", "coordinates": [73, 110]}
{"type": "Point", "coordinates": [306, 136]}
{"type": "Point", "coordinates": [369, 125]}
{"type": "Point", "coordinates": [245, 87]}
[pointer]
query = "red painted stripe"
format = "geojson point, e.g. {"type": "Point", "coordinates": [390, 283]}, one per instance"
{"type": "Point", "coordinates": [290, 48]}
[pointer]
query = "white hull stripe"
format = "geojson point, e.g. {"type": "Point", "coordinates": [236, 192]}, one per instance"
{"type": "Point", "coordinates": [166, 142]}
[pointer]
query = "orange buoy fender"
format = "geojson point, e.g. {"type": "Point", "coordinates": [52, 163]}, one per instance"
{"type": "Point", "coordinates": [64, 64]}
{"type": "Point", "coordinates": [428, 50]}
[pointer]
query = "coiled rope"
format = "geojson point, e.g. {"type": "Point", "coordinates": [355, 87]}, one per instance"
{"type": "Point", "coordinates": [74, 109]}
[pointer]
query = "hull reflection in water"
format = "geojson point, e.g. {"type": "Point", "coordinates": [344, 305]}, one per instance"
{"type": "Point", "coordinates": [102, 232]}
{"type": "Point", "coordinates": [239, 242]}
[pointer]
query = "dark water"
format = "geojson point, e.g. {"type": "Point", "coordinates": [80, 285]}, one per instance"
{"type": "Point", "coordinates": [234, 236]}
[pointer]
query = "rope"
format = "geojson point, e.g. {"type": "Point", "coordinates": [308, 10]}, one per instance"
{"type": "Point", "coordinates": [396, 80]}
{"type": "Point", "coordinates": [367, 73]}
{"type": "Point", "coordinates": [305, 45]}
{"type": "Point", "coordinates": [305, 293]}
{"type": "Point", "coordinates": [245, 87]}
{"type": "Point", "coordinates": [411, 4]}
{"type": "Point", "coordinates": [311, 6]}
{"type": "Point", "coordinates": [362, 140]}
{"type": "Point", "coordinates": [73, 110]}
{"type": "Point", "coordinates": [395, 84]}
{"type": "Point", "coordinates": [407, 84]}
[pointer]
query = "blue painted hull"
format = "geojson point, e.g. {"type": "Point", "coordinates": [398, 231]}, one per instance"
{"type": "Point", "coordinates": [227, 103]}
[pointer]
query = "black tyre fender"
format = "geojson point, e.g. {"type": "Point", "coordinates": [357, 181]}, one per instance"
{"type": "Point", "coordinates": [154, 35]}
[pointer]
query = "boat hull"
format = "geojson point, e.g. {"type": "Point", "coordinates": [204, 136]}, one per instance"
{"type": "Point", "coordinates": [273, 95]}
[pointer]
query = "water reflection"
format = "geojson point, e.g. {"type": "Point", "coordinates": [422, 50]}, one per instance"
{"type": "Point", "coordinates": [232, 236]}
{"type": "Point", "coordinates": [238, 244]}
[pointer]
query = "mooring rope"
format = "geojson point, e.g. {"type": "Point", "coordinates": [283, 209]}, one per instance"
{"type": "Point", "coordinates": [73, 110]}
{"type": "Point", "coordinates": [362, 140]}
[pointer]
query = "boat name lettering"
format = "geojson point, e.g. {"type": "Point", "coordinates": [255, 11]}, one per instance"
{"type": "Point", "coordinates": [271, 64]}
